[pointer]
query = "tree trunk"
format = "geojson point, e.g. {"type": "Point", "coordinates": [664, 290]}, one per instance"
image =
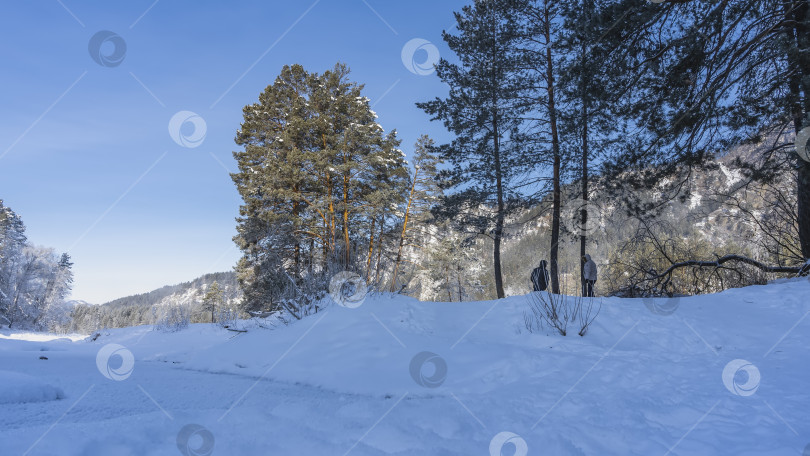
{"type": "Point", "coordinates": [325, 244]}
{"type": "Point", "coordinates": [555, 149]}
{"type": "Point", "coordinates": [379, 247]}
{"type": "Point", "coordinates": [447, 281]}
{"type": "Point", "coordinates": [458, 281]}
{"type": "Point", "coordinates": [496, 149]}
{"type": "Point", "coordinates": [330, 218]}
{"type": "Point", "coordinates": [347, 253]}
{"type": "Point", "coordinates": [802, 15]}
{"type": "Point", "coordinates": [311, 255]}
{"type": "Point", "coordinates": [803, 209]}
{"type": "Point", "coordinates": [583, 237]}
{"type": "Point", "coordinates": [370, 248]}
{"type": "Point", "coordinates": [330, 235]}
{"type": "Point", "coordinates": [297, 247]}
{"type": "Point", "coordinates": [499, 219]}
{"type": "Point", "coordinates": [404, 230]}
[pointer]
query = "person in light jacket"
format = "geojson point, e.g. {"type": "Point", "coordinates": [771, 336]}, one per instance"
{"type": "Point", "coordinates": [588, 275]}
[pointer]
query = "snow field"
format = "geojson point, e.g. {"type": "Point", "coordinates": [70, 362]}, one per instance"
{"type": "Point", "coordinates": [706, 375]}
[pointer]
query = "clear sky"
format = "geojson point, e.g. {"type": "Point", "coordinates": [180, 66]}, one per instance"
{"type": "Point", "coordinates": [87, 158]}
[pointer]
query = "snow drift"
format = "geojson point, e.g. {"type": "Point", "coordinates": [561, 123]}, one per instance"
{"type": "Point", "coordinates": [17, 388]}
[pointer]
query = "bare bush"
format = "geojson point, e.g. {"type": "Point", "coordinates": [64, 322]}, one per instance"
{"type": "Point", "coordinates": [658, 260]}
{"type": "Point", "coordinates": [558, 311]}
{"type": "Point", "coordinates": [585, 312]}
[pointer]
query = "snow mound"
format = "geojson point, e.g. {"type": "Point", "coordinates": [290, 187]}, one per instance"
{"type": "Point", "coordinates": [18, 388]}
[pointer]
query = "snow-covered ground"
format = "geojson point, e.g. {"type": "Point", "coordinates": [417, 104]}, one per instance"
{"type": "Point", "coordinates": [723, 374]}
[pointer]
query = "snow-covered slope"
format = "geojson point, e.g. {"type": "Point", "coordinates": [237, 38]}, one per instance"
{"type": "Point", "coordinates": [21, 388]}
{"type": "Point", "coordinates": [722, 374]}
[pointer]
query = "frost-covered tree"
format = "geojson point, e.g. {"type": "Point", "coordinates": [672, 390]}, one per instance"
{"type": "Point", "coordinates": [34, 281]}
{"type": "Point", "coordinates": [453, 269]}
{"type": "Point", "coordinates": [12, 241]}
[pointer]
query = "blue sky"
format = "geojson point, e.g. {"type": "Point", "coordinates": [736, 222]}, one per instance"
{"type": "Point", "coordinates": [86, 156]}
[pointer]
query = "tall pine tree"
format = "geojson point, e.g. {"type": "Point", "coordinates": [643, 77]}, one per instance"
{"type": "Point", "coordinates": [423, 196]}
{"type": "Point", "coordinates": [484, 111]}
{"type": "Point", "coordinates": [315, 168]}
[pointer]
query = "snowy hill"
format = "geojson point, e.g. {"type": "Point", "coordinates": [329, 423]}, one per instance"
{"type": "Point", "coordinates": [141, 308]}
{"type": "Point", "coordinates": [705, 375]}
{"type": "Point", "coordinates": [179, 293]}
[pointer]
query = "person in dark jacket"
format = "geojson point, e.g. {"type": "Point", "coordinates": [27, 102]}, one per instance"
{"type": "Point", "coordinates": [540, 276]}
{"type": "Point", "coordinates": [588, 275]}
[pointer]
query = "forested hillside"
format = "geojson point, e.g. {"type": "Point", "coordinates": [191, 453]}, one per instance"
{"type": "Point", "coordinates": [187, 302]}
{"type": "Point", "coordinates": [722, 213]}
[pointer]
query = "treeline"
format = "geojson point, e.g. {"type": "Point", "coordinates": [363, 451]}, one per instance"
{"type": "Point", "coordinates": [34, 281]}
